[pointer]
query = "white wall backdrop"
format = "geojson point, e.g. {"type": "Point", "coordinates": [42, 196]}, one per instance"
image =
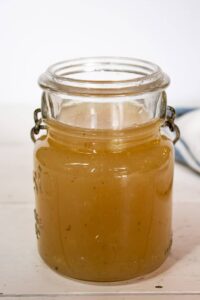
{"type": "Point", "coordinates": [34, 34]}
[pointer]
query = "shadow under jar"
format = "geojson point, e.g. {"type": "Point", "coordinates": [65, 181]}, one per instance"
{"type": "Point", "coordinates": [103, 169]}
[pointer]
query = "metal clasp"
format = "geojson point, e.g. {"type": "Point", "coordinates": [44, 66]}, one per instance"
{"type": "Point", "coordinates": [38, 125]}
{"type": "Point", "coordinates": [169, 122]}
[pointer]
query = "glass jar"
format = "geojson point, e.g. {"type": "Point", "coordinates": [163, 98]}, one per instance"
{"type": "Point", "coordinates": [103, 168]}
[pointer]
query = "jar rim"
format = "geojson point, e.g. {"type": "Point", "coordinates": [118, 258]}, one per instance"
{"type": "Point", "coordinates": [141, 76]}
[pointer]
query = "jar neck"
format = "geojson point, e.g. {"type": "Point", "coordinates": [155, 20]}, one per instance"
{"type": "Point", "coordinates": [103, 92]}
{"type": "Point", "coordinates": [94, 141]}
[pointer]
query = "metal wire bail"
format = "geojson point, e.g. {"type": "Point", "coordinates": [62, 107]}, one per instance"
{"type": "Point", "coordinates": [38, 125]}
{"type": "Point", "coordinates": [169, 122]}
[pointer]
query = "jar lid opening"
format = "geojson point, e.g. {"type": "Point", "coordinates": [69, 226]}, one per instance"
{"type": "Point", "coordinates": [104, 76]}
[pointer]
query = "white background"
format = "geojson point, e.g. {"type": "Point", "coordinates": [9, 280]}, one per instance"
{"type": "Point", "coordinates": [35, 34]}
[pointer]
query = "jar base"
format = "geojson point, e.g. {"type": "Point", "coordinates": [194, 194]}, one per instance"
{"type": "Point", "coordinates": [117, 279]}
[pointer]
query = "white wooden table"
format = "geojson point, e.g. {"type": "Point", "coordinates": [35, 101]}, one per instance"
{"type": "Point", "coordinates": [23, 275]}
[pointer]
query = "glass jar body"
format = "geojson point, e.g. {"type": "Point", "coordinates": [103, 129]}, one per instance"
{"type": "Point", "coordinates": [103, 207]}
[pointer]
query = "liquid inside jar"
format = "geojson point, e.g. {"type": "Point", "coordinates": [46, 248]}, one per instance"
{"type": "Point", "coordinates": [103, 196]}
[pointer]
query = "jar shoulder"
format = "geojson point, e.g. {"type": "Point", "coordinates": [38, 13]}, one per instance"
{"type": "Point", "coordinates": [142, 158]}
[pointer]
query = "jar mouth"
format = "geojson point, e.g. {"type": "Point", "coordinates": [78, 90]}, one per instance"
{"type": "Point", "coordinates": [104, 76]}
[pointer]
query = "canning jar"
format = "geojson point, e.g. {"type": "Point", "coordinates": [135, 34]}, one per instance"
{"type": "Point", "coordinates": [103, 168]}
